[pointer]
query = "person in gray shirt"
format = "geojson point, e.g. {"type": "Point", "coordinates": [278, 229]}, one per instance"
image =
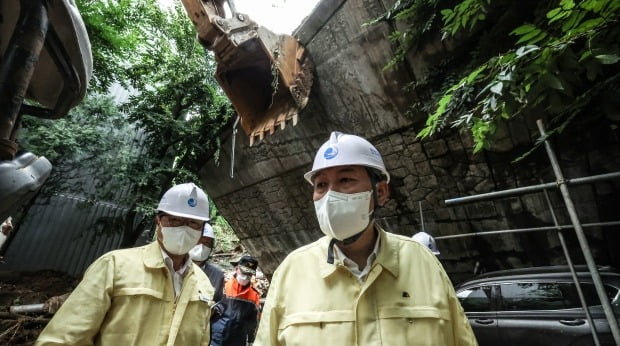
{"type": "Point", "coordinates": [200, 255]}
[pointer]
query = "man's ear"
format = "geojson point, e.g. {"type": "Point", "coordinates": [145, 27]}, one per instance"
{"type": "Point", "coordinates": [158, 234]}
{"type": "Point", "coordinates": [383, 192]}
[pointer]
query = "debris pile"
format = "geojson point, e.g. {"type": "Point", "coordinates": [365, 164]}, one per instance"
{"type": "Point", "coordinates": [20, 320]}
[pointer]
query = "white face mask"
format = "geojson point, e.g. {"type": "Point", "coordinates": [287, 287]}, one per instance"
{"type": "Point", "coordinates": [199, 253]}
{"type": "Point", "coordinates": [343, 215]}
{"type": "Point", "coordinates": [242, 279]}
{"type": "Point", "coordinates": [179, 240]}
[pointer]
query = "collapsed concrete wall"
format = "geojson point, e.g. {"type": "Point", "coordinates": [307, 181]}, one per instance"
{"type": "Point", "coordinates": [269, 204]}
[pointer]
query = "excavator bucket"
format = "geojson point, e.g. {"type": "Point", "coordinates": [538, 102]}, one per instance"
{"type": "Point", "coordinates": [266, 76]}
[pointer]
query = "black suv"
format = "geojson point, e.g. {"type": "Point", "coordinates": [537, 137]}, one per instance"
{"type": "Point", "coordinates": [537, 306]}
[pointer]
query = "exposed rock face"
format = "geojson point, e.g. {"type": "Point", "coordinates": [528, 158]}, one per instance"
{"type": "Point", "coordinates": [269, 205]}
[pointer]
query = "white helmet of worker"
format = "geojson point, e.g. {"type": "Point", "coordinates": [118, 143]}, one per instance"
{"type": "Point", "coordinates": [185, 200]}
{"type": "Point", "coordinates": [426, 240]}
{"type": "Point", "coordinates": [207, 231]}
{"type": "Point", "coordinates": [343, 150]}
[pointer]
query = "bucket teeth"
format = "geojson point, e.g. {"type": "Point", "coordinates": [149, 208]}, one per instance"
{"type": "Point", "coordinates": [266, 76]}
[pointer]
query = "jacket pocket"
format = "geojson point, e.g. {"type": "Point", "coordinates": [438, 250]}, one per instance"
{"type": "Point", "coordinates": [199, 305]}
{"type": "Point", "coordinates": [415, 325]}
{"type": "Point", "coordinates": [138, 291]}
{"type": "Point", "coordinates": [317, 328]}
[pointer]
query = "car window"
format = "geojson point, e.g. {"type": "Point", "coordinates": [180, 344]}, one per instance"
{"type": "Point", "coordinates": [476, 299]}
{"type": "Point", "coordinates": [589, 292]}
{"type": "Point", "coordinates": [531, 296]}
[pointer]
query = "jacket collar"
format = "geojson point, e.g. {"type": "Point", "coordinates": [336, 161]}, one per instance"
{"type": "Point", "coordinates": [152, 257]}
{"type": "Point", "coordinates": [387, 256]}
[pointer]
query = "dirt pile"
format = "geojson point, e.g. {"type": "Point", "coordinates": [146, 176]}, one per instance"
{"type": "Point", "coordinates": [18, 289]}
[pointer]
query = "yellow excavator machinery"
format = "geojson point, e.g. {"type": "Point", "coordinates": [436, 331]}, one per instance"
{"type": "Point", "coordinates": [266, 76]}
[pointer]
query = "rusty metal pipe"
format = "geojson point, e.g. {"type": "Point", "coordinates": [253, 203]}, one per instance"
{"type": "Point", "coordinates": [18, 65]}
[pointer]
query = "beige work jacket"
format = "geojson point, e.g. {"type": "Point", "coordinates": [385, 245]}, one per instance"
{"type": "Point", "coordinates": [406, 299]}
{"type": "Point", "coordinates": [126, 298]}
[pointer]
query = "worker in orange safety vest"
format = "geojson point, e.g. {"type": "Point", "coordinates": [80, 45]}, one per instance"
{"type": "Point", "coordinates": [235, 318]}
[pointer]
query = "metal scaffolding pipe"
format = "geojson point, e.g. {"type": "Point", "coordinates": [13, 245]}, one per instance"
{"type": "Point", "coordinates": [528, 189]}
{"type": "Point", "coordinates": [421, 216]}
{"type": "Point", "coordinates": [530, 229]}
{"type": "Point", "coordinates": [573, 273]}
{"type": "Point", "coordinates": [581, 237]}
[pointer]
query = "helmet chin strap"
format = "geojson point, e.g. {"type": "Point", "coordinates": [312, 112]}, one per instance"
{"type": "Point", "coordinates": [347, 241]}
{"type": "Point", "coordinates": [330, 251]}
{"type": "Point", "coordinates": [355, 237]}
{"type": "Point", "coordinates": [373, 182]}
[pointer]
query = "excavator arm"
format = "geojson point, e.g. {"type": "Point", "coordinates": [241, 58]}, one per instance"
{"type": "Point", "coordinates": [266, 76]}
{"type": "Point", "coordinates": [45, 66]}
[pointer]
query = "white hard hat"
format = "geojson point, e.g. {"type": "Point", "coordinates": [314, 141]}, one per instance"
{"type": "Point", "coordinates": [207, 231]}
{"type": "Point", "coordinates": [426, 240]}
{"type": "Point", "coordinates": [185, 200]}
{"type": "Point", "coordinates": [344, 150]}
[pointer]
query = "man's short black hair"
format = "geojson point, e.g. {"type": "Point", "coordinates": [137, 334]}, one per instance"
{"type": "Point", "coordinates": [375, 175]}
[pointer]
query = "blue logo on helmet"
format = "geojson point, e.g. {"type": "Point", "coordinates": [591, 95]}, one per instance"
{"type": "Point", "coordinates": [375, 152]}
{"type": "Point", "coordinates": [192, 202]}
{"type": "Point", "coordinates": [330, 153]}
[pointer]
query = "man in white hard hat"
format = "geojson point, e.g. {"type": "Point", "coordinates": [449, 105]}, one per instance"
{"type": "Point", "coordinates": [200, 254]}
{"type": "Point", "coordinates": [427, 240]}
{"type": "Point", "coordinates": [149, 295]}
{"type": "Point", "coordinates": [359, 285]}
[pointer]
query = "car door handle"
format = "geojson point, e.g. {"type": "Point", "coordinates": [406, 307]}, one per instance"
{"type": "Point", "coordinates": [484, 321]}
{"type": "Point", "coordinates": [574, 322]}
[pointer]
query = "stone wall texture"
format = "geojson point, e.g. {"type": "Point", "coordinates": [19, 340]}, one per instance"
{"type": "Point", "coordinates": [268, 202]}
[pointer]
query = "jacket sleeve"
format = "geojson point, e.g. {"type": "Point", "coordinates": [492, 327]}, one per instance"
{"type": "Point", "coordinates": [218, 285]}
{"type": "Point", "coordinates": [251, 325]}
{"type": "Point", "coordinates": [78, 320]}
{"type": "Point", "coordinates": [461, 329]}
{"type": "Point", "coordinates": [267, 334]}
{"type": "Point", "coordinates": [216, 276]}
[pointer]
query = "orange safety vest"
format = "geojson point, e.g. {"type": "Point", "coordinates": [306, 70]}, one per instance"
{"type": "Point", "coordinates": [236, 326]}
{"type": "Point", "coordinates": [233, 289]}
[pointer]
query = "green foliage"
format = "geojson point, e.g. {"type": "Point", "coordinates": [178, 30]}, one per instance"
{"type": "Point", "coordinates": [176, 106]}
{"type": "Point", "coordinates": [116, 29]}
{"type": "Point", "coordinates": [420, 14]}
{"type": "Point", "coordinates": [563, 54]}
{"type": "Point", "coordinates": [464, 16]}
{"type": "Point", "coordinates": [226, 239]}
{"type": "Point", "coordinates": [179, 106]}
{"type": "Point", "coordinates": [85, 144]}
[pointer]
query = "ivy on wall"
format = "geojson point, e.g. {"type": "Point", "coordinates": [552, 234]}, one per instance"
{"type": "Point", "coordinates": [558, 59]}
